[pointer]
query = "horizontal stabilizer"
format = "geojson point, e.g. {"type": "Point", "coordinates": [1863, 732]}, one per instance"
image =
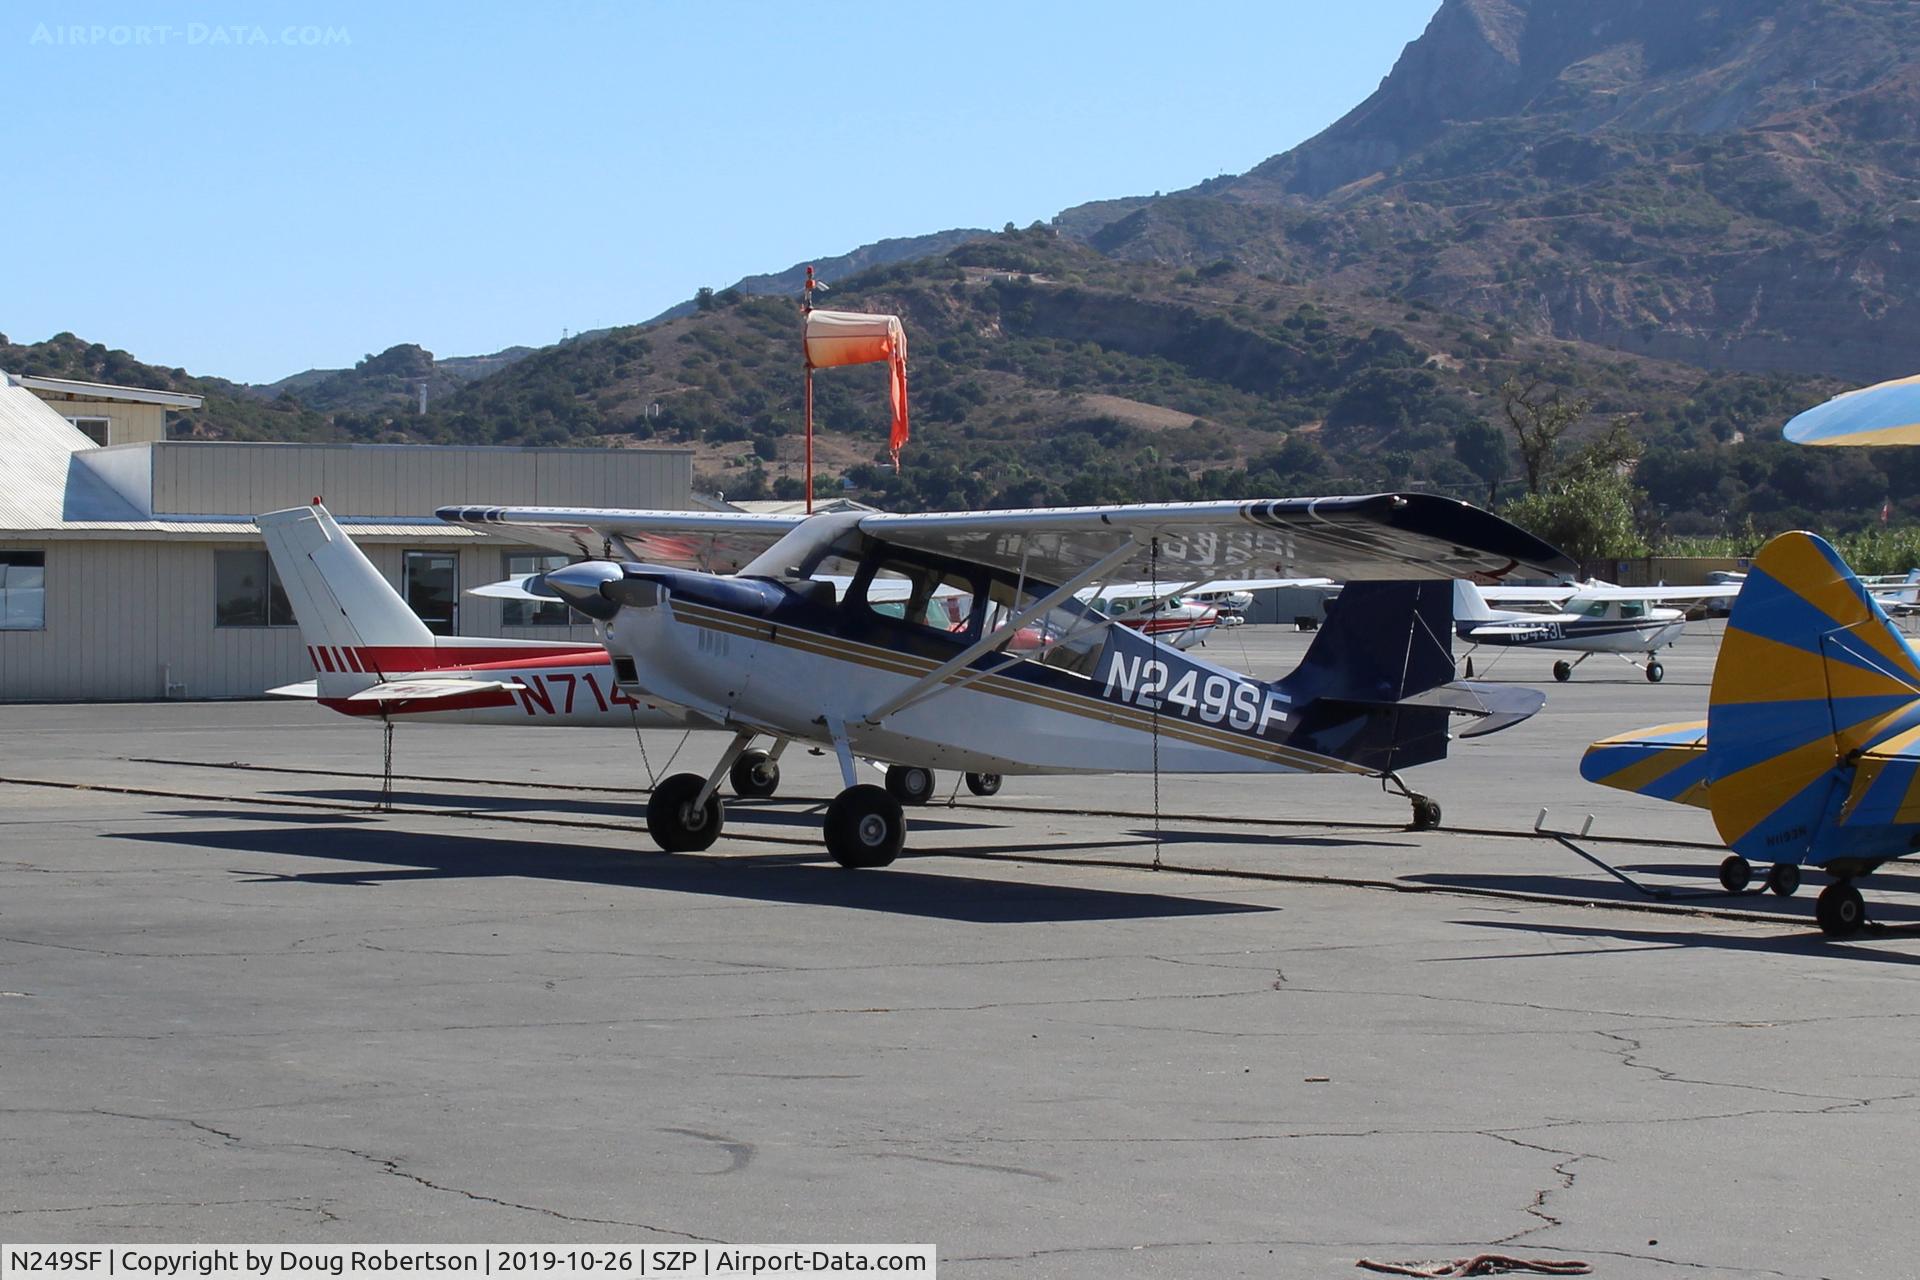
{"type": "Point", "coordinates": [1495, 706]}
{"type": "Point", "coordinates": [305, 689]}
{"type": "Point", "coordinates": [533, 587]}
{"type": "Point", "coordinates": [414, 690]}
{"type": "Point", "coordinates": [1667, 762]}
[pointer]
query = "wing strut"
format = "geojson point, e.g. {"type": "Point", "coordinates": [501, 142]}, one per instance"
{"type": "Point", "coordinates": [996, 639]}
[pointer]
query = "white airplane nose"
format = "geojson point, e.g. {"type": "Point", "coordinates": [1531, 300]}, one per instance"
{"type": "Point", "coordinates": [580, 586]}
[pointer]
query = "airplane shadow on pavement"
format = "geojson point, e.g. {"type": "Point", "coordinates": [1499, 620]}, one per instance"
{"type": "Point", "coordinates": [746, 812]}
{"type": "Point", "coordinates": [383, 855]}
{"type": "Point", "coordinates": [1810, 944]}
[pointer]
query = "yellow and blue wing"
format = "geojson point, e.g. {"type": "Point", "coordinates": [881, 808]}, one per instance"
{"type": "Point", "coordinates": [1887, 413]}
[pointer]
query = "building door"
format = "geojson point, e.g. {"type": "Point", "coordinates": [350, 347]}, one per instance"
{"type": "Point", "coordinates": [432, 588]}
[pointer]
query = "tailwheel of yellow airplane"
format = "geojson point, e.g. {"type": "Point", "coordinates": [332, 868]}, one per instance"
{"type": "Point", "coordinates": [865, 827]}
{"type": "Point", "coordinates": [1841, 911]}
{"type": "Point", "coordinates": [909, 784]}
{"type": "Point", "coordinates": [675, 823]}
{"type": "Point", "coordinates": [984, 784]}
{"type": "Point", "coordinates": [1784, 879]}
{"type": "Point", "coordinates": [755, 775]}
{"type": "Point", "coordinates": [1736, 873]}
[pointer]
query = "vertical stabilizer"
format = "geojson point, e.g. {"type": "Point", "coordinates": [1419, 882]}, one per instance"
{"type": "Point", "coordinates": [1811, 675]}
{"type": "Point", "coordinates": [1468, 604]}
{"type": "Point", "coordinates": [342, 603]}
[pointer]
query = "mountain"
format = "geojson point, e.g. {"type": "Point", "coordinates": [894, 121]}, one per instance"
{"type": "Point", "coordinates": [1730, 184]}
{"type": "Point", "coordinates": [387, 382]}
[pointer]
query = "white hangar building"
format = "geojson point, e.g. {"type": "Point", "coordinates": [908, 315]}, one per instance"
{"type": "Point", "coordinates": [130, 566]}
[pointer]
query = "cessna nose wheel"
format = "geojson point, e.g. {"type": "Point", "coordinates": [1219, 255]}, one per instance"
{"type": "Point", "coordinates": [865, 827]}
{"type": "Point", "coordinates": [755, 775]}
{"type": "Point", "coordinates": [909, 784]}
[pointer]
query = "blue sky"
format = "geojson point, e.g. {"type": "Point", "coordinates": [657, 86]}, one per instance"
{"type": "Point", "coordinates": [252, 190]}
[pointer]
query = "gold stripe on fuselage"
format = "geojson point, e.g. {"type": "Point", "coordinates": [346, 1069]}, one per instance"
{"type": "Point", "coordinates": [1086, 706]}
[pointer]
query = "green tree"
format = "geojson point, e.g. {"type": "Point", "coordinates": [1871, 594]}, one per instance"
{"type": "Point", "coordinates": [1538, 416]}
{"type": "Point", "coordinates": [1482, 448]}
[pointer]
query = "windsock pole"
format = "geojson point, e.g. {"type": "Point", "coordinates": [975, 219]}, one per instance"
{"type": "Point", "coordinates": [806, 306]}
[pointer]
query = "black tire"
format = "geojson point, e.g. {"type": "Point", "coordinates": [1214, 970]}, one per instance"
{"type": "Point", "coordinates": [1426, 813]}
{"type": "Point", "coordinates": [1655, 673]}
{"type": "Point", "coordinates": [1563, 671]}
{"type": "Point", "coordinates": [755, 775]}
{"type": "Point", "coordinates": [672, 820]}
{"type": "Point", "coordinates": [909, 783]}
{"type": "Point", "coordinates": [865, 827]}
{"type": "Point", "coordinates": [1784, 879]}
{"type": "Point", "coordinates": [1736, 873]}
{"type": "Point", "coordinates": [984, 784]}
{"type": "Point", "coordinates": [1841, 911]}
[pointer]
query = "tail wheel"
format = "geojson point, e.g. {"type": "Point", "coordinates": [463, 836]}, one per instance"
{"type": "Point", "coordinates": [984, 784]}
{"type": "Point", "coordinates": [1655, 673]}
{"type": "Point", "coordinates": [673, 821]}
{"type": "Point", "coordinates": [1563, 671]}
{"type": "Point", "coordinates": [909, 783]}
{"type": "Point", "coordinates": [1736, 873]}
{"type": "Point", "coordinates": [1784, 879]}
{"type": "Point", "coordinates": [755, 775]}
{"type": "Point", "coordinates": [865, 827]}
{"type": "Point", "coordinates": [1841, 911]}
{"type": "Point", "coordinates": [1426, 813]}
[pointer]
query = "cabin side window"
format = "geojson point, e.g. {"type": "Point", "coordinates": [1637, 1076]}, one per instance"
{"type": "Point", "coordinates": [926, 596]}
{"type": "Point", "coordinates": [1068, 637]}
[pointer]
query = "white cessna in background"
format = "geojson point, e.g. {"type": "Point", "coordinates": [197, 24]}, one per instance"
{"type": "Point", "coordinates": [1592, 617]}
{"type": "Point", "coordinates": [724, 616]}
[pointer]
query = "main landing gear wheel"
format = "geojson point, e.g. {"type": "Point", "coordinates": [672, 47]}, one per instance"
{"type": "Point", "coordinates": [673, 822]}
{"type": "Point", "coordinates": [1784, 879]}
{"type": "Point", "coordinates": [1655, 672]}
{"type": "Point", "coordinates": [1563, 671]}
{"type": "Point", "coordinates": [984, 784]}
{"type": "Point", "coordinates": [865, 827]}
{"type": "Point", "coordinates": [1736, 873]}
{"type": "Point", "coordinates": [909, 784]}
{"type": "Point", "coordinates": [1840, 910]}
{"type": "Point", "coordinates": [755, 775]}
{"type": "Point", "coordinates": [1426, 813]}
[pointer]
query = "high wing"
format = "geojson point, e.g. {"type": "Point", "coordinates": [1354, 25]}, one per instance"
{"type": "Point", "coordinates": [1568, 591]}
{"type": "Point", "coordinates": [1382, 536]}
{"type": "Point", "coordinates": [1187, 587]}
{"type": "Point", "coordinates": [1393, 536]}
{"type": "Point", "coordinates": [1885, 413]}
{"type": "Point", "coordinates": [710, 541]}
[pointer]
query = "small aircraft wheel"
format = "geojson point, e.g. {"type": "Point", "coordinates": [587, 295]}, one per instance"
{"type": "Point", "coordinates": [909, 784]}
{"type": "Point", "coordinates": [1563, 671]}
{"type": "Point", "coordinates": [675, 825]}
{"type": "Point", "coordinates": [1426, 813]}
{"type": "Point", "coordinates": [1840, 910]}
{"type": "Point", "coordinates": [984, 784]}
{"type": "Point", "coordinates": [1784, 879]}
{"type": "Point", "coordinates": [1655, 672]}
{"type": "Point", "coordinates": [755, 775]}
{"type": "Point", "coordinates": [865, 827]}
{"type": "Point", "coordinates": [1736, 873]}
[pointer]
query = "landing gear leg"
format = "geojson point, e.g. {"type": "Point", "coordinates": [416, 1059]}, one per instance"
{"type": "Point", "coordinates": [1426, 810]}
{"type": "Point", "coordinates": [1563, 670]}
{"type": "Point", "coordinates": [1840, 909]}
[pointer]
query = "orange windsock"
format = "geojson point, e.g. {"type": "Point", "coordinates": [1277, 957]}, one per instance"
{"type": "Point", "coordinates": [856, 337]}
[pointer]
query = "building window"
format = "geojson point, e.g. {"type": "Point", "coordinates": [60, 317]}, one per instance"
{"type": "Point", "coordinates": [247, 591]}
{"type": "Point", "coordinates": [527, 613]}
{"type": "Point", "coordinates": [432, 588]}
{"type": "Point", "coordinates": [23, 590]}
{"type": "Point", "coordinates": [95, 429]}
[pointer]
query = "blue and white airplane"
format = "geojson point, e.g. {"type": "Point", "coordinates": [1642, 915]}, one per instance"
{"type": "Point", "coordinates": [1589, 618]}
{"type": "Point", "coordinates": [724, 615]}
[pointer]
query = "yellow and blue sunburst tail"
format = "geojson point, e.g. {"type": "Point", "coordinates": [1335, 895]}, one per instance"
{"type": "Point", "coordinates": [1815, 704]}
{"type": "Point", "coordinates": [1667, 762]}
{"type": "Point", "coordinates": [1886, 413]}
